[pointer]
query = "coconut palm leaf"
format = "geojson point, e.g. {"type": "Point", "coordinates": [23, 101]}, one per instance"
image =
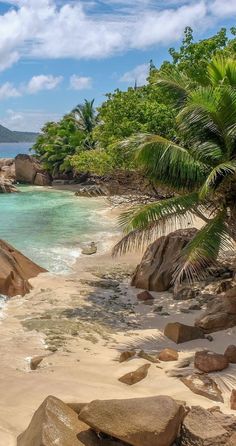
{"type": "Point", "coordinates": [145, 223]}
{"type": "Point", "coordinates": [167, 163]}
{"type": "Point", "coordinates": [177, 83]}
{"type": "Point", "coordinates": [216, 176]}
{"type": "Point", "coordinates": [222, 71]}
{"type": "Point", "coordinates": [202, 251]}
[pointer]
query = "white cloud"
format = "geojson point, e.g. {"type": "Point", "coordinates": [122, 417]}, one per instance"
{"type": "Point", "coordinates": [138, 74]}
{"type": "Point", "coordinates": [36, 84]}
{"type": "Point", "coordinates": [43, 82]}
{"type": "Point", "coordinates": [80, 82]}
{"type": "Point", "coordinates": [27, 120]}
{"type": "Point", "coordinates": [63, 29]}
{"type": "Point", "coordinates": [8, 90]}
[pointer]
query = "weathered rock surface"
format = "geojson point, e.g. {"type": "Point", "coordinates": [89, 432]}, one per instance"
{"type": "Point", "coordinates": [220, 313]}
{"type": "Point", "coordinates": [185, 293]}
{"type": "Point", "coordinates": [207, 361]}
{"type": "Point", "coordinates": [6, 187]}
{"type": "Point", "coordinates": [7, 169]}
{"type": "Point", "coordinates": [124, 356]}
{"type": "Point", "coordinates": [180, 333]}
{"type": "Point", "coordinates": [230, 354]}
{"type": "Point", "coordinates": [139, 422]}
{"type": "Point", "coordinates": [232, 440]}
{"type": "Point", "coordinates": [233, 399]}
{"type": "Point", "coordinates": [15, 271]}
{"type": "Point", "coordinates": [203, 385]}
{"type": "Point", "coordinates": [135, 376]}
{"type": "Point", "coordinates": [55, 423]}
{"type": "Point", "coordinates": [168, 354]}
{"type": "Point", "coordinates": [156, 268]}
{"type": "Point", "coordinates": [201, 428]}
{"type": "Point", "coordinates": [29, 170]}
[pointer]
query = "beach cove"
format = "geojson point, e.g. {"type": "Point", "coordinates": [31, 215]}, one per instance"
{"type": "Point", "coordinates": [80, 323]}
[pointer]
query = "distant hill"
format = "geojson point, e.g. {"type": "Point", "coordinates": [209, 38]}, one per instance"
{"type": "Point", "coordinates": [7, 135]}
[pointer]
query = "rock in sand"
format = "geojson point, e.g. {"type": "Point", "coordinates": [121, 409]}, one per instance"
{"type": "Point", "coordinates": [180, 333]}
{"type": "Point", "coordinates": [208, 361]}
{"type": "Point", "coordinates": [136, 376]}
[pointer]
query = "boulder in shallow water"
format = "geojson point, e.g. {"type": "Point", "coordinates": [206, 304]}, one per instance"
{"type": "Point", "coordinates": [28, 170]}
{"type": "Point", "coordinates": [90, 250]}
{"type": "Point", "coordinates": [148, 421]}
{"type": "Point", "coordinates": [15, 271]}
{"type": "Point", "coordinates": [6, 187]}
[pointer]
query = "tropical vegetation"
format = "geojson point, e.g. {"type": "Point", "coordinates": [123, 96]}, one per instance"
{"type": "Point", "coordinates": [200, 168]}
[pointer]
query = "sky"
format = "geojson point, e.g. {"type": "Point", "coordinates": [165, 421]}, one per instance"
{"type": "Point", "coordinates": [56, 53]}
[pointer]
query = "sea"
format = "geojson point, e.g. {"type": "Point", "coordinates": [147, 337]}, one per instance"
{"type": "Point", "coordinates": [51, 226]}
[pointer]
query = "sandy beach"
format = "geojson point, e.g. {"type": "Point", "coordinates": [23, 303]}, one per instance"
{"type": "Point", "coordinates": [80, 323]}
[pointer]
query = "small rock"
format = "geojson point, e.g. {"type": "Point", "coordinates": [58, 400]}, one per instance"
{"type": "Point", "coordinates": [225, 286]}
{"type": "Point", "coordinates": [210, 338]}
{"type": "Point", "coordinates": [34, 362]}
{"type": "Point", "coordinates": [195, 307]}
{"type": "Point", "coordinates": [233, 400]}
{"type": "Point", "coordinates": [230, 354]}
{"type": "Point", "coordinates": [149, 357]}
{"type": "Point", "coordinates": [203, 385]}
{"type": "Point", "coordinates": [136, 376]}
{"type": "Point", "coordinates": [185, 293]}
{"type": "Point", "coordinates": [144, 296]}
{"type": "Point", "coordinates": [164, 313]}
{"type": "Point", "coordinates": [185, 310]}
{"type": "Point", "coordinates": [180, 333]}
{"type": "Point", "coordinates": [168, 354]}
{"type": "Point", "coordinates": [89, 250]}
{"type": "Point", "coordinates": [158, 308]}
{"type": "Point", "coordinates": [124, 356]}
{"type": "Point", "coordinates": [207, 361]}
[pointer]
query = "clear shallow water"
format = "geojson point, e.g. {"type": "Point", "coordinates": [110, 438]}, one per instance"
{"type": "Point", "coordinates": [10, 150]}
{"type": "Point", "coordinates": [51, 226]}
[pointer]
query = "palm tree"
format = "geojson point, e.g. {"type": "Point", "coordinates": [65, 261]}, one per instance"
{"type": "Point", "coordinates": [201, 170]}
{"type": "Point", "coordinates": [85, 118]}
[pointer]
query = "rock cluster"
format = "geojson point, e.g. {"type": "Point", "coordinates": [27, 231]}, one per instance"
{"type": "Point", "coordinates": [29, 170]}
{"type": "Point", "coordinates": [15, 271]}
{"type": "Point", "coordinates": [151, 421]}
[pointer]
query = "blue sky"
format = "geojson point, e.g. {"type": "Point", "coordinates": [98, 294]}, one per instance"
{"type": "Point", "coordinates": [55, 53]}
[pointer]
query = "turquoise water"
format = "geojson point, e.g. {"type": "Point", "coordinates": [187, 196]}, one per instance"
{"type": "Point", "coordinates": [10, 150]}
{"type": "Point", "coordinates": [51, 226]}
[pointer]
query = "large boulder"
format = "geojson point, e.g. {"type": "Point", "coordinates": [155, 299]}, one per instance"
{"type": "Point", "coordinates": [220, 313]}
{"type": "Point", "coordinates": [208, 362]}
{"type": "Point", "coordinates": [202, 428]}
{"type": "Point", "coordinates": [156, 268]}
{"type": "Point", "coordinates": [179, 333]}
{"type": "Point", "coordinates": [55, 423]}
{"type": "Point", "coordinates": [139, 422]}
{"type": "Point", "coordinates": [29, 170]}
{"type": "Point", "coordinates": [230, 354]}
{"type": "Point", "coordinates": [15, 271]}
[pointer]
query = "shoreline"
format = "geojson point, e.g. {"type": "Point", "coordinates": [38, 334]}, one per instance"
{"type": "Point", "coordinates": [81, 326]}
{"type": "Point", "coordinates": [80, 323]}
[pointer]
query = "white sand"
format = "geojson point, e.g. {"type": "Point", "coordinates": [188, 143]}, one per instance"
{"type": "Point", "coordinates": [83, 370]}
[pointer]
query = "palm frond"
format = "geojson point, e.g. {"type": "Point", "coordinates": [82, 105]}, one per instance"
{"type": "Point", "coordinates": [207, 152]}
{"type": "Point", "coordinates": [175, 82]}
{"type": "Point", "coordinates": [222, 71]}
{"type": "Point", "coordinates": [203, 250]}
{"type": "Point", "coordinates": [146, 223]}
{"type": "Point", "coordinates": [167, 163]}
{"type": "Point", "coordinates": [217, 175]}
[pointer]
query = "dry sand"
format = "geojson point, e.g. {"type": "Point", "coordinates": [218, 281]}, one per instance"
{"type": "Point", "coordinates": [90, 322]}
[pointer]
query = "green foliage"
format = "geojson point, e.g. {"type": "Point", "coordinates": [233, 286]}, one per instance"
{"type": "Point", "coordinates": [59, 141]}
{"type": "Point", "coordinates": [202, 171]}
